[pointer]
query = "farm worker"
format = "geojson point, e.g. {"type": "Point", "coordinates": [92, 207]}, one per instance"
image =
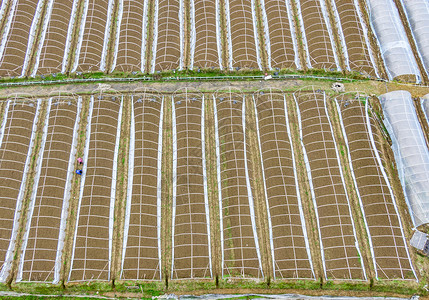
{"type": "Point", "coordinates": [80, 160]}
{"type": "Point", "coordinates": [79, 172]}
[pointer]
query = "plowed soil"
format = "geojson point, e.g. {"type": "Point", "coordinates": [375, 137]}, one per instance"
{"type": "Point", "coordinates": [41, 250]}
{"type": "Point", "coordinates": [167, 55]}
{"type": "Point", "coordinates": [290, 256]}
{"type": "Point", "coordinates": [16, 46]}
{"type": "Point", "coordinates": [93, 36]}
{"type": "Point", "coordinates": [141, 259]}
{"type": "Point", "coordinates": [282, 52]}
{"type": "Point", "coordinates": [13, 154]}
{"type": "Point", "coordinates": [191, 240]}
{"type": "Point", "coordinates": [52, 53]}
{"type": "Point", "coordinates": [91, 250]}
{"type": "Point", "coordinates": [242, 34]}
{"type": "Point", "coordinates": [206, 51]}
{"type": "Point", "coordinates": [391, 258]}
{"type": "Point", "coordinates": [357, 49]}
{"type": "Point", "coordinates": [129, 56]}
{"type": "Point", "coordinates": [339, 243]}
{"type": "Point", "coordinates": [240, 256]}
{"type": "Point", "coordinates": [320, 49]}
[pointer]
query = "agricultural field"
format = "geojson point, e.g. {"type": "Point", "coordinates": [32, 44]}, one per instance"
{"type": "Point", "coordinates": [223, 186]}
{"type": "Point", "coordinates": [206, 186]}
{"type": "Point", "coordinates": [41, 38]}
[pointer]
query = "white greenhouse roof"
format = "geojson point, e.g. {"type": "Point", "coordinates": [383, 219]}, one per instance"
{"type": "Point", "coordinates": [411, 152]}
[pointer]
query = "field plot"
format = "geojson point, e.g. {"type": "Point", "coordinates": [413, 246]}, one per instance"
{"type": "Point", "coordinates": [16, 143]}
{"type": "Point", "coordinates": [355, 36]}
{"type": "Point", "coordinates": [241, 25]}
{"type": "Point", "coordinates": [130, 54]}
{"type": "Point", "coordinates": [93, 236]}
{"type": "Point", "coordinates": [54, 47]}
{"type": "Point", "coordinates": [44, 236]}
{"type": "Point", "coordinates": [141, 256]}
{"type": "Point", "coordinates": [282, 34]}
{"type": "Point", "coordinates": [168, 35]}
{"type": "Point", "coordinates": [319, 47]}
{"type": "Point", "coordinates": [340, 254]}
{"type": "Point", "coordinates": [191, 232]}
{"type": "Point", "coordinates": [240, 245]}
{"type": "Point", "coordinates": [96, 28]}
{"type": "Point", "coordinates": [391, 258]}
{"type": "Point", "coordinates": [13, 55]}
{"type": "Point", "coordinates": [290, 250]}
{"type": "Point", "coordinates": [206, 51]}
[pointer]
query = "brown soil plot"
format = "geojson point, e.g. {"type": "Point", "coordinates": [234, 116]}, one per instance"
{"type": "Point", "coordinates": [320, 48]}
{"type": "Point", "coordinates": [191, 245]}
{"type": "Point", "coordinates": [206, 54]}
{"type": "Point", "coordinates": [17, 41]}
{"type": "Point", "coordinates": [13, 155]}
{"type": "Point", "coordinates": [240, 257]}
{"type": "Point", "coordinates": [168, 49]}
{"type": "Point", "coordinates": [391, 256]}
{"type": "Point", "coordinates": [53, 49]}
{"type": "Point", "coordinates": [337, 235]}
{"type": "Point", "coordinates": [91, 260]}
{"type": "Point", "coordinates": [244, 46]}
{"type": "Point", "coordinates": [132, 43]}
{"type": "Point", "coordinates": [282, 52]}
{"type": "Point", "coordinates": [291, 259]}
{"type": "Point", "coordinates": [141, 258]}
{"type": "Point", "coordinates": [42, 243]}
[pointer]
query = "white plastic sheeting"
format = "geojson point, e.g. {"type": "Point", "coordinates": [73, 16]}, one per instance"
{"type": "Point", "coordinates": [392, 39]}
{"type": "Point", "coordinates": [411, 152]}
{"type": "Point", "coordinates": [417, 12]}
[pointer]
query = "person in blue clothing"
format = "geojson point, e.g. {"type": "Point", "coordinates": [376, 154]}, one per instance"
{"type": "Point", "coordinates": [79, 172]}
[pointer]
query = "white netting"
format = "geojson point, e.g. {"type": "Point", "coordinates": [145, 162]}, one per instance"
{"type": "Point", "coordinates": [141, 253]}
{"type": "Point", "coordinates": [14, 45]}
{"type": "Point", "coordinates": [280, 34]}
{"type": "Point", "coordinates": [92, 249]}
{"type": "Point", "coordinates": [92, 34]}
{"type": "Point", "coordinates": [317, 35]}
{"type": "Point", "coordinates": [168, 35]}
{"type": "Point", "coordinates": [190, 231]}
{"type": "Point", "coordinates": [417, 12]}
{"type": "Point", "coordinates": [206, 49]}
{"type": "Point", "coordinates": [244, 40]}
{"type": "Point", "coordinates": [411, 152]}
{"type": "Point", "coordinates": [239, 241]}
{"type": "Point", "coordinates": [130, 49]}
{"type": "Point", "coordinates": [392, 39]}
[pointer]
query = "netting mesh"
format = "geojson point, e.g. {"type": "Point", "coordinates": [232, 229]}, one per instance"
{"type": "Point", "coordinates": [411, 152]}
{"type": "Point", "coordinates": [395, 49]}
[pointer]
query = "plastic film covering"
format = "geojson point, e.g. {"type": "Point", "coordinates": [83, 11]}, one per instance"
{"type": "Point", "coordinates": [411, 152]}
{"type": "Point", "coordinates": [417, 12]}
{"type": "Point", "coordinates": [392, 39]}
